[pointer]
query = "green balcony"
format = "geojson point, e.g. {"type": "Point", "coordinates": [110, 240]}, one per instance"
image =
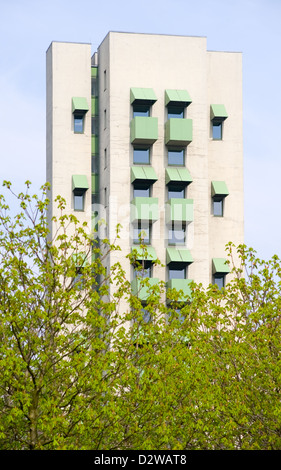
{"type": "Point", "coordinates": [144, 130]}
{"type": "Point", "coordinates": [179, 210]}
{"type": "Point", "coordinates": [181, 285]}
{"type": "Point", "coordinates": [178, 132]}
{"type": "Point", "coordinates": [142, 291]}
{"type": "Point", "coordinates": [144, 208]}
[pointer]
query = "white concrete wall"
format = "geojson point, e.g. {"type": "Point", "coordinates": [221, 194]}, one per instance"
{"type": "Point", "coordinates": [176, 62]}
{"type": "Point", "coordinates": [68, 75]}
{"type": "Point", "coordinates": [225, 157]}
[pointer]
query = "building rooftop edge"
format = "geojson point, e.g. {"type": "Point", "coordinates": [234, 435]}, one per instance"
{"type": "Point", "coordinates": [68, 42]}
{"type": "Point", "coordinates": [144, 34]}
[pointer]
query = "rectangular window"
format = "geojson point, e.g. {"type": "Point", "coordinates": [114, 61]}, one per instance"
{"type": "Point", "coordinates": [78, 281]}
{"type": "Point", "coordinates": [218, 203]}
{"type": "Point", "coordinates": [146, 315]}
{"type": "Point", "coordinates": [141, 156]}
{"type": "Point", "coordinates": [142, 234]}
{"type": "Point", "coordinates": [79, 196]}
{"type": "Point", "coordinates": [176, 192]}
{"type": "Point", "coordinates": [141, 110]}
{"type": "Point", "coordinates": [104, 80]}
{"type": "Point", "coordinates": [176, 157]}
{"type": "Point", "coordinates": [104, 119]}
{"type": "Point", "coordinates": [78, 123]}
{"type": "Point", "coordinates": [95, 164]}
{"type": "Point", "coordinates": [142, 190]}
{"type": "Point", "coordinates": [219, 279]}
{"type": "Point", "coordinates": [95, 125]}
{"type": "Point", "coordinates": [94, 86]}
{"type": "Point", "coordinates": [217, 130]}
{"type": "Point", "coordinates": [177, 273]}
{"type": "Point", "coordinates": [176, 236]}
{"type": "Point", "coordinates": [175, 112]}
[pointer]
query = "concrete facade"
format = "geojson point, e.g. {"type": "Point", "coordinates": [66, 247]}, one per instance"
{"type": "Point", "coordinates": [126, 61]}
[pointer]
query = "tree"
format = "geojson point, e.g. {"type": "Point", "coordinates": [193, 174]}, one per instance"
{"type": "Point", "coordinates": [76, 373]}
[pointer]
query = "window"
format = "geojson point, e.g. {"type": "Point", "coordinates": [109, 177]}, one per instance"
{"type": "Point", "coordinates": [176, 157]}
{"type": "Point", "coordinates": [141, 110]}
{"type": "Point", "coordinates": [78, 280]}
{"type": "Point", "coordinates": [142, 155]}
{"type": "Point", "coordinates": [175, 191]}
{"type": "Point", "coordinates": [176, 236]}
{"type": "Point", "coordinates": [143, 271]}
{"type": "Point", "coordinates": [78, 123]}
{"type": "Point", "coordinates": [175, 111]}
{"type": "Point", "coordinates": [218, 205]}
{"type": "Point", "coordinates": [79, 196]}
{"type": "Point", "coordinates": [104, 80]}
{"type": "Point", "coordinates": [142, 189]}
{"type": "Point", "coordinates": [105, 158]}
{"type": "Point", "coordinates": [104, 119]}
{"type": "Point", "coordinates": [177, 272]}
{"type": "Point", "coordinates": [95, 125]}
{"type": "Point", "coordinates": [217, 130]}
{"type": "Point", "coordinates": [94, 86]}
{"type": "Point", "coordinates": [142, 233]}
{"type": "Point", "coordinates": [146, 315]}
{"type": "Point", "coordinates": [218, 115]}
{"type": "Point", "coordinates": [95, 164]}
{"type": "Point", "coordinates": [219, 279]}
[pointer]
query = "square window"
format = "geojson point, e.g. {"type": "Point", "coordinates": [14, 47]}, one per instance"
{"type": "Point", "coordinates": [141, 156]}
{"type": "Point", "coordinates": [176, 192]}
{"type": "Point", "coordinates": [141, 110]}
{"type": "Point", "coordinates": [176, 236]}
{"type": "Point", "coordinates": [142, 234]}
{"type": "Point", "coordinates": [143, 270]}
{"type": "Point", "coordinates": [177, 272]}
{"type": "Point", "coordinates": [78, 123]}
{"type": "Point", "coordinates": [175, 112]}
{"type": "Point", "coordinates": [142, 190]}
{"type": "Point", "coordinates": [217, 130]}
{"type": "Point", "coordinates": [176, 157]}
{"type": "Point", "coordinates": [218, 206]}
{"type": "Point", "coordinates": [219, 279]}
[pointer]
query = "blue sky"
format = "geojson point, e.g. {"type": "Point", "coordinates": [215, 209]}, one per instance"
{"type": "Point", "coordinates": [249, 26]}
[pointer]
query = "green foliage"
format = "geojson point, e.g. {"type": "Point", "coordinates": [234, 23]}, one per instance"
{"type": "Point", "coordinates": [77, 371]}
